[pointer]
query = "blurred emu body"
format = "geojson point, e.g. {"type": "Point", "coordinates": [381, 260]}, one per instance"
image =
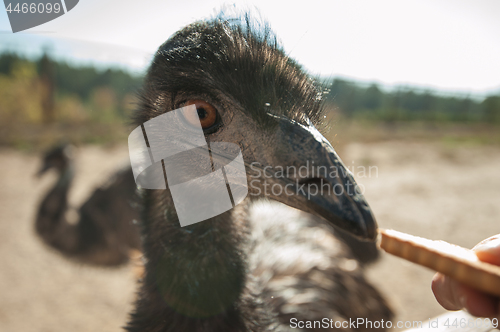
{"type": "Point", "coordinates": [262, 266]}
{"type": "Point", "coordinates": [106, 231]}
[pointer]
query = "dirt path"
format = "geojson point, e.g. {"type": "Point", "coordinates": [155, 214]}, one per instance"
{"type": "Point", "coordinates": [428, 190]}
{"type": "Point", "coordinates": [40, 290]}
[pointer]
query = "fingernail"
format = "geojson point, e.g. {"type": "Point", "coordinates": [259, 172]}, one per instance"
{"type": "Point", "coordinates": [490, 245]}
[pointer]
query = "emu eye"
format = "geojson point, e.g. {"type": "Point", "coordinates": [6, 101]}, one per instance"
{"type": "Point", "coordinates": [207, 114]}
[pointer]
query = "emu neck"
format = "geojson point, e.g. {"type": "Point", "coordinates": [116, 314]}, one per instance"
{"type": "Point", "coordinates": [55, 202]}
{"type": "Point", "coordinates": [196, 274]}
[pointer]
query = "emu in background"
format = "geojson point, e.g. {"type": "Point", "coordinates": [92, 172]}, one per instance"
{"type": "Point", "coordinates": [105, 232]}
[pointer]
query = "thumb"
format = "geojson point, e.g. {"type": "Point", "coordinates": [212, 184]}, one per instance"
{"type": "Point", "coordinates": [489, 250]}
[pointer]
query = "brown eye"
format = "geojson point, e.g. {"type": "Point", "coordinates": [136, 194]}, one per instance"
{"type": "Point", "coordinates": [207, 114]}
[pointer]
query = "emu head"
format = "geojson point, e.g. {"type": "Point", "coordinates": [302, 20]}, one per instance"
{"type": "Point", "coordinates": [58, 158]}
{"type": "Point", "coordinates": [247, 91]}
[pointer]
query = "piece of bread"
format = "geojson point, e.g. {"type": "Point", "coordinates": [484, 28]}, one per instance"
{"type": "Point", "coordinates": [456, 262]}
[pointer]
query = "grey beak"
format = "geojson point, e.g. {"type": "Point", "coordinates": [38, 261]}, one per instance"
{"type": "Point", "coordinates": [323, 186]}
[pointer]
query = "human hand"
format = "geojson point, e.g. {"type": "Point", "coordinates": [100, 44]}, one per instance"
{"type": "Point", "coordinates": [453, 295]}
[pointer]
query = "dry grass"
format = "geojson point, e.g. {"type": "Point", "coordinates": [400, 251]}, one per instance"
{"type": "Point", "coordinates": [343, 132]}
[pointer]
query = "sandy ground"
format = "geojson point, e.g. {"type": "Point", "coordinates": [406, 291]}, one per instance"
{"type": "Point", "coordinates": [430, 190]}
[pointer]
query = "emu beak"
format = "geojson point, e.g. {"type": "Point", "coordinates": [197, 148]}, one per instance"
{"type": "Point", "coordinates": [321, 185]}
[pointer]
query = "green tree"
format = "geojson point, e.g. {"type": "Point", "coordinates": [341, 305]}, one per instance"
{"type": "Point", "coordinates": [491, 108]}
{"type": "Point", "coordinates": [373, 97]}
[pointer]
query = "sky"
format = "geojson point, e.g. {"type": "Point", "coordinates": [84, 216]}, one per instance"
{"type": "Point", "coordinates": [449, 45]}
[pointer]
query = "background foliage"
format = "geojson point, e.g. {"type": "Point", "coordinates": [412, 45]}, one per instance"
{"type": "Point", "coordinates": [44, 101]}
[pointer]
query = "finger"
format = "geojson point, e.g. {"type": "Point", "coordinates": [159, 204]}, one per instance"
{"type": "Point", "coordinates": [489, 250]}
{"type": "Point", "coordinates": [445, 291]}
{"type": "Point", "coordinates": [453, 295]}
{"type": "Point", "coordinates": [477, 303]}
